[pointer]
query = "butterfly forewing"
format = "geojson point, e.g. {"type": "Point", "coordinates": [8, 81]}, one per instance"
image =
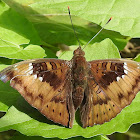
{"type": "Point", "coordinates": [46, 85]}
{"type": "Point", "coordinates": [112, 85]}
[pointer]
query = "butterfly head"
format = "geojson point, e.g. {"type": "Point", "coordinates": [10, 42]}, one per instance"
{"type": "Point", "coordinates": [79, 51]}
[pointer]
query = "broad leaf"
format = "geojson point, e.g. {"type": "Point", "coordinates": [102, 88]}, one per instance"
{"type": "Point", "coordinates": [137, 58]}
{"type": "Point", "coordinates": [16, 52]}
{"type": "Point", "coordinates": [53, 25]}
{"type": "Point", "coordinates": [15, 28]}
{"type": "Point", "coordinates": [23, 137]}
{"type": "Point", "coordinates": [103, 50]}
{"type": "Point", "coordinates": [125, 21]}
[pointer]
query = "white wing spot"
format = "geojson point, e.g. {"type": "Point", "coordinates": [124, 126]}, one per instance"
{"type": "Point", "coordinates": [35, 76]}
{"type": "Point", "coordinates": [30, 72]}
{"type": "Point", "coordinates": [30, 66]}
{"type": "Point", "coordinates": [118, 78]}
{"type": "Point", "coordinates": [16, 68]}
{"type": "Point", "coordinates": [41, 79]}
{"type": "Point", "coordinates": [125, 71]}
{"type": "Point", "coordinates": [123, 76]}
{"type": "Point", "coordinates": [138, 66]}
{"type": "Point", "coordinates": [125, 65]}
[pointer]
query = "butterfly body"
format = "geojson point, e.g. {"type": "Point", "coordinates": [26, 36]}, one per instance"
{"type": "Point", "coordinates": [80, 74]}
{"type": "Point", "coordinates": [57, 88]}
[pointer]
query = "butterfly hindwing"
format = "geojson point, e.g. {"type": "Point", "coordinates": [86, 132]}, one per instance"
{"type": "Point", "coordinates": [112, 85]}
{"type": "Point", "coordinates": [46, 85]}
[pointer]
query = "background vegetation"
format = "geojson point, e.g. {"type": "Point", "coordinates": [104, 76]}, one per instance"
{"type": "Point", "coordinates": [41, 28]}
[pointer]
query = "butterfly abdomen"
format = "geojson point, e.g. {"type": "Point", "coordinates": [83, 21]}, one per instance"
{"type": "Point", "coordinates": [79, 72]}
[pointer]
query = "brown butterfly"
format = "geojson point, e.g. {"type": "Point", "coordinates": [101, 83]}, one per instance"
{"type": "Point", "coordinates": [57, 88]}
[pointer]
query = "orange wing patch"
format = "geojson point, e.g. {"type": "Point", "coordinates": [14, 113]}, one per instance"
{"type": "Point", "coordinates": [112, 85]}
{"type": "Point", "coordinates": [45, 84]}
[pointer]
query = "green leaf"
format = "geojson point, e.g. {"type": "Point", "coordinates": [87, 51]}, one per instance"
{"type": "Point", "coordinates": [137, 58]}
{"type": "Point", "coordinates": [125, 21]}
{"type": "Point", "coordinates": [47, 22]}
{"type": "Point", "coordinates": [53, 24]}
{"type": "Point", "coordinates": [17, 52]}
{"type": "Point", "coordinates": [3, 66]}
{"type": "Point", "coordinates": [16, 29]}
{"type": "Point", "coordinates": [8, 96]}
{"type": "Point", "coordinates": [31, 123]}
{"type": "Point", "coordinates": [23, 137]}
{"type": "Point", "coordinates": [103, 50]}
{"type": "Point", "coordinates": [14, 33]}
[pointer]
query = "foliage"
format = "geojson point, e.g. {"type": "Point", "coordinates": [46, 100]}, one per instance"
{"type": "Point", "coordinates": [27, 24]}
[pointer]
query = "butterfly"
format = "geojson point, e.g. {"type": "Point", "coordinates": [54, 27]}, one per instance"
{"type": "Point", "coordinates": [57, 88]}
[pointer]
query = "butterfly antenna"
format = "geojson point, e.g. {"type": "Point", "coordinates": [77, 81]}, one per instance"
{"type": "Point", "coordinates": [73, 26]}
{"type": "Point", "coordinates": [98, 32]}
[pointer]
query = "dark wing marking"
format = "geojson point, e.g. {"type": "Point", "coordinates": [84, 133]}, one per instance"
{"type": "Point", "coordinates": [112, 85]}
{"type": "Point", "coordinates": [46, 85]}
